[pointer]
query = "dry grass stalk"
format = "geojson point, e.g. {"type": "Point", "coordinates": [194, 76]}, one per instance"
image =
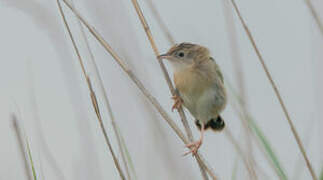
{"type": "Point", "coordinates": [315, 15]}
{"type": "Point", "coordinates": [290, 122]}
{"type": "Point", "coordinates": [161, 23]}
{"type": "Point", "coordinates": [92, 95]}
{"type": "Point", "coordinates": [299, 165]}
{"type": "Point", "coordinates": [97, 112]}
{"type": "Point", "coordinates": [41, 136]}
{"type": "Point", "coordinates": [238, 71]}
{"type": "Point", "coordinates": [236, 105]}
{"type": "Point", "coordinates": [26, 152]}
{"type": "Point", "coordinates": [242, 115]}
{"type": "Point", "coordinates": [242, 154]}
{"type": "Point", "coordinates": [140, 85]}
{"type": "Point", "coordinates": [107, 102]}
{"type": "Point", "coordinates": [21, 144]}
{"type": "Point", "coordinates": [109, 108]}
{"type": "Point", "coordinates": [249, 163]}
{"type": "Point", "coordinates": [166, 75]}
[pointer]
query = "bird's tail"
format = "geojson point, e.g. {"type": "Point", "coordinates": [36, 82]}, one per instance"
{"type": "Point", "coordinates": [216, 124]}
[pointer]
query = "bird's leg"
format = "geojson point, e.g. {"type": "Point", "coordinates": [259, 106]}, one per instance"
{"type": "Point", "coordinates": [178, 102]}
{"type": "Point", "coordinates": [197, 144]}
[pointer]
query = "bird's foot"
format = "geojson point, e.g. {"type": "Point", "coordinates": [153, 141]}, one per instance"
{"type": "Point", "coordinates": [178, 102]}
{"type": "Point", "coordinates": [194, 146]}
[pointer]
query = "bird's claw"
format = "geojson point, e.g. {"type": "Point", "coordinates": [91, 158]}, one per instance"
{"type": "Point", "coordinates": [194, 146]}
{"type": "Point", "coordinates": [178, 102]}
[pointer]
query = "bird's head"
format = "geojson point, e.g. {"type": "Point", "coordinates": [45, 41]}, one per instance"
{"type": "Point", "coordinates": [185, 55]}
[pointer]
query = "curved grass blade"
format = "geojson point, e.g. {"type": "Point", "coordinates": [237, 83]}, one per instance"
{"type": "Point", "coordinates": [128, 156]}
{"type": "Point", "coordinates": [31, 161]}
{"type": "Point", "coordinates": [321, 174]}
{"type": "Point", "coordinates": [269, 150]}
{"type": "Point", "coordinates": [262, 138]}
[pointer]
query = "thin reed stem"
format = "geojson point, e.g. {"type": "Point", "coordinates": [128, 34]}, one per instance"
{"type": "Point", "coordinates": [142, 88]}
{"type": "Point", "coordinates": [26, 152]}
{"type": "Point", "coordinates": [161, 23]}
{"type": "Point", "coordinates": [21, 143]}
{"type": "Point", "coordinates": [107, 102]}
{"type": "Point", "coordinates": [33, 170]}
{"type": "Point", "coordinates": [41, 136]}
{"type": "Point", "coordinates": [299, 165]}
{"type": "Point", "coordinates": [290, 122]}
{"type": "Point", "coordinates": [92, 94]}
{"type": "Point", "coordinates": [98, 114]}
{"type": "Point", "coordinates": [170, 39]}
{"type": "Point", "coordinates": [239, 74]}
{"type": "Point", "coordinates": [261, 141]}
{"type": "Point", "coordinates": [251, 170]}
{"type": "Point", "coordinates": [166, 76]}
{"type": "Point", "coordinates": [315, 15]}
{"type": "Point", "coordinates": [109, 108]}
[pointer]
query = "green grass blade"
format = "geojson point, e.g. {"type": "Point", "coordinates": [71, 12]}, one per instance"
{"type": "Point", "coordinates": [261, 136]}
{"type": "Point", "coordinates": [269, 150]}
{"type": "Point", "coordinates": [321, 174]}
{"type": "Point", "coordinates": [128, 156]}
{"type": "Point", "coordinates": [31, 161]}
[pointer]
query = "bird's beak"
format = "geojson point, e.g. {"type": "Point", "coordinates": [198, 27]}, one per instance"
{"type": "Point", "coordinates": [163, 56]}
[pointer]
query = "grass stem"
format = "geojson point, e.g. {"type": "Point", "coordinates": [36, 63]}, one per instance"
{"type": "Point", "coordinates": [166, 75]}
{"type": "Point", "coordinates": [290, 122]}
{"type": "Point", "coordinates": [315, 15]}
{"type": "Point", "coordinates": [140, 85]}
{"type": "Point", "coordinates": [92, 94]}
{"type": "Point", "coordinates": [21, 144]}
{"type": "Point", "coordinates": [117, 132]}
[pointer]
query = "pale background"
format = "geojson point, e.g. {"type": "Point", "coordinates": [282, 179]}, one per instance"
{"type": "Point", "coordinates": [41, 82]}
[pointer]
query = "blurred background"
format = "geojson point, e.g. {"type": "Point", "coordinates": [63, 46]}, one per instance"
{"type": "Point", "coordinates": [42, 85]}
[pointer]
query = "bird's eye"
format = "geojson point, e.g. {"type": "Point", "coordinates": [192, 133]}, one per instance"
{"type": "Point", "coordinates": [181, 54]}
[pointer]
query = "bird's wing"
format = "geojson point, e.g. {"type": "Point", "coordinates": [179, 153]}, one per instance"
{"type": "Point", "coordinates": [217, 69]}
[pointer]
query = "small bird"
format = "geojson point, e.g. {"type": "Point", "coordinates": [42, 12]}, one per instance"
{"type": "Point", "coordinates": [199, 87]}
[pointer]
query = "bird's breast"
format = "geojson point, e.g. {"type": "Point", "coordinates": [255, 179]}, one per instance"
{"type": "Point", "coordinates": [203, 92]}
{"type": "Point", "coordinates": [191, 86]}
{"type": "Point", "coordinates": [189, 82]}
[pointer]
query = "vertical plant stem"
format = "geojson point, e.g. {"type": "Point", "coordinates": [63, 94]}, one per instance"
{"type": "Point", "coordinates": [31, 161]}
{"type": "Point", "coordinates": [92, 95]}
{"type": "Point", "coordinates": [41, 136]}
{"type": "Point", "coordinates": [21, 143]}
{"type": "Point", "coordinates": [241, 84]}
{"type": "Point", "coordinates": [109, 109]}
{"type": "Point", "coordinates": [262, 141]}
{"type": "Point", "coordinates": [290, 122]}
{"type": "Point", "coordinates": [26, 152]}
{"type": "Point", "coordinates": [166, 76]}
{"type": "Point", "coordinates": [161, 23]}
{"type": "Point", "coordinates": [142, 88]}
{"type": "Point", "coordinates": [98, 114]}
{"type": "Point", "coordinates": [239, 74]}
{"type": "Point", "coordinates": [243, 155]}
{"type": "Point", "coordinates": [299, 165]}
{"type": "Point", "coordinates": [315, 15]}
{"type": "Point", "coordinates": [107, 103]}
{"type": "Point", "coordinates": [321, 174]}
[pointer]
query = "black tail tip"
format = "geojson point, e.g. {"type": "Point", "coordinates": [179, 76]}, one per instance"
{"type": "Point", "coordinates": [215, 124]}
{"type": "Point", "coordinates": [218, 124]}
